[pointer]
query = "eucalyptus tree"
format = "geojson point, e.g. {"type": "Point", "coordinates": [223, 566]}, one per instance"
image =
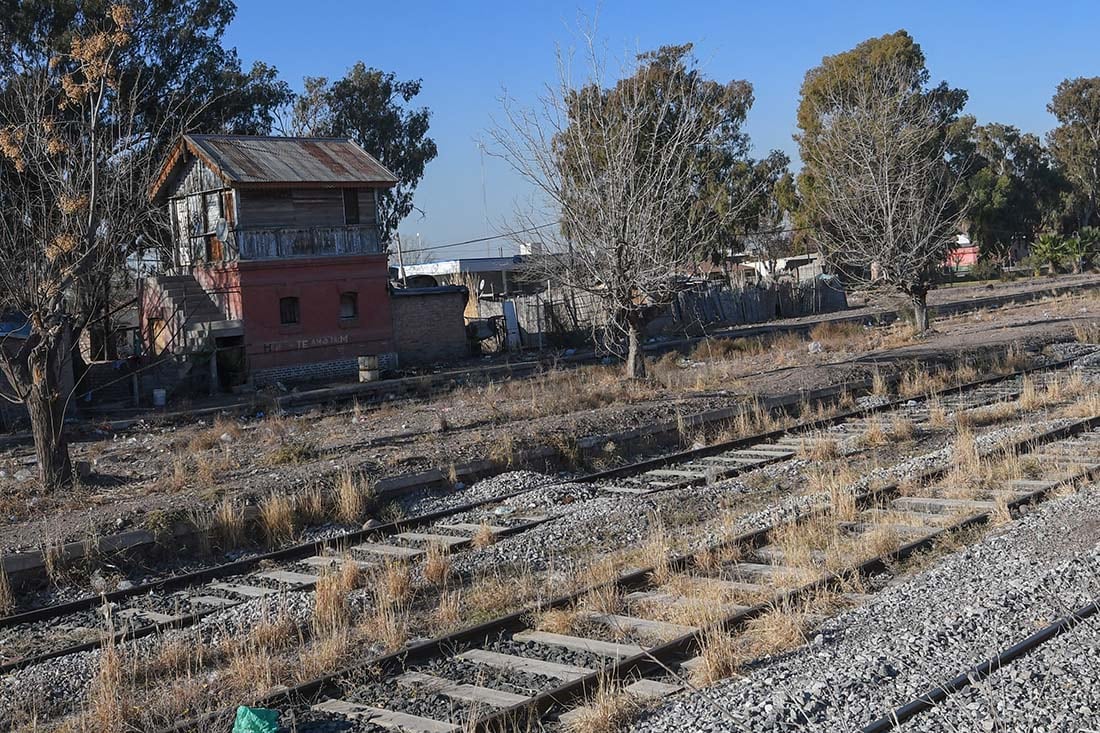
{"type": "Point", "coordinates": [881, 183]}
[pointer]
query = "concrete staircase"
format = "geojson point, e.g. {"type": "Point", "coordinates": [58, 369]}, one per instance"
{"type": "Point", "coordinates": [195, 320]}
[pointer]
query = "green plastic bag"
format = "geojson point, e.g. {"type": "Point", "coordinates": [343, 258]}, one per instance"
{"type": "Point", "coordinates": [256, 720]}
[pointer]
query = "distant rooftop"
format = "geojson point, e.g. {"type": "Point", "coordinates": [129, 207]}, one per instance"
{"type": "Point", "coordinates": [244, 161]}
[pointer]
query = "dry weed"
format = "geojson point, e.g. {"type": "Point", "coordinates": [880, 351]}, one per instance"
{"type": "Point", "coordinates": [484, 536]}
{"type": "Point", "coordinates": [227, 525]}
{"type": "Point", "coordinates": [7, 597]}
{"type": "Point", "coordinates": [277, 518]}
{"type": "Point", "coordinates": [353, 497]}
{"type": "Point", "coordinates": [607, 711]}
{"type": "Point", "coordinates": [720, 656]}
{"type": "Point", "coordinates": [437, 564]}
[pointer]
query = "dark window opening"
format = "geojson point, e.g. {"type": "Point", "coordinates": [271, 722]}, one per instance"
{"type": "Point", "coordinates": [288, 311]}
{"type": "Point", "coordinates": [349, 306]}
{"type": "Point", "coordinates": [351, 206]}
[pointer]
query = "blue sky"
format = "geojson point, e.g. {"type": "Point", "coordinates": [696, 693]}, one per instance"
{"type": "Point", "coordinates": [1010, 56]}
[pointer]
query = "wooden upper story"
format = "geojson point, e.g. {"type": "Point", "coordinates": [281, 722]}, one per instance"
{"type": "Point", "coordinates": [241, 197]}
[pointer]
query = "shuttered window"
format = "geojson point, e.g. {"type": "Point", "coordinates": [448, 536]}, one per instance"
{"type": "Point", "coordinates": [349, 306]}
{"type": "Point", "coordinates": [288, 311]}
{"type": "Point", "coordinates": [351, 206]}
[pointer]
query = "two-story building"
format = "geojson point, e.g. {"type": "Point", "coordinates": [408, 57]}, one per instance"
{"type": "Point", "coordinates": [278, 271]}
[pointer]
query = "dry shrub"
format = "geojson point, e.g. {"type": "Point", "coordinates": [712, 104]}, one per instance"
{"type": "Point", "coordinates": [277, 518]}
{"type": "Point", "coordinates": [1002, 512]}
{"type": "Point", "coordinates": [484, 535]}
{"type": "Point", "coordinates": [437, 564]}
{"type": "Point", "coordinates": [607, 711]}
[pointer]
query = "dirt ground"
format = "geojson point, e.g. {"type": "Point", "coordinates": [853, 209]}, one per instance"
{"type": "Point", "coordinates": [151, 472]}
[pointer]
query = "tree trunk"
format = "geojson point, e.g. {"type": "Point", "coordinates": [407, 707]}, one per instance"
{"type": "Point", "coordinates": [47, 412]}
{"type": "Point", "coordinates": [635, 358]}
{"type": "Point", "coordinates": [920, 312]}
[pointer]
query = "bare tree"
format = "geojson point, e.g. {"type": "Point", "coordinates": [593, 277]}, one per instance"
{"type": "Point", "coordinates": [623, 168]}
{"type": "Point", "coordinates": [76, 171]}
{"type": "Point", "coordinates": [885, 193]}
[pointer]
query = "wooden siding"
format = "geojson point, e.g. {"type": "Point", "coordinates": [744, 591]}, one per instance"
{"type": "Point", "coordinates": [197, 200]}
{"type": "Point", "coordinates": [300, 208]}
{"type": "Point", "coordinates": [259, 244]}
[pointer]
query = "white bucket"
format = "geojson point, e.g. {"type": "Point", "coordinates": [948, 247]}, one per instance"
{"type": "Point", "coordinates": [159, 397]}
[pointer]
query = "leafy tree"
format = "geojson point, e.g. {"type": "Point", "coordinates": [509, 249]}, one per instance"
{"type": "Point", "coordinates": [369, 106]}
{"type": "Point", "coordinates": [91, 95]}
{"type": "Point", "coordinates": [1012, 186]}
{"type": "Point", "coordinates": [1075, 143]}
{"type": "Point", "coordinates": [643, 172]}
{"type": "Point", "coordinates": [880, 185]}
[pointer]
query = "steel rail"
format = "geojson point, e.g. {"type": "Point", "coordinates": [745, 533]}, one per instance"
{"type": "Point", "coordinates": [503, 719]}
{"type": "Point", "coordinates": [314, 547]}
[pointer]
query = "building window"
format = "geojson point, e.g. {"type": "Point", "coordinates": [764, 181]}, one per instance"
{"type": "Point", "coordinates": [351, 206]}
{"type": "Point", "coordinates": [349, 306]}
{"type": "Point", "coordinates": [288, 311]}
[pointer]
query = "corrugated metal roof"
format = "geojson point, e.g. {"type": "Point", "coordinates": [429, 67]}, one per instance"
{"type": "Point", "coordinates": [246, 160]}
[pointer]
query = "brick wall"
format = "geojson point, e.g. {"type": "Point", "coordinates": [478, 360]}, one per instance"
{"type": "Point", "coordinates": [316, 372]}
{"type": "Point", "coordinates": [428, 324]}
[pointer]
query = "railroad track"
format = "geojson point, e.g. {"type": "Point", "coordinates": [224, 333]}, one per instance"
{"type": "Point", "coordinates": [184, 600]}
{"type": "Point", "coordinates": [508, 673]}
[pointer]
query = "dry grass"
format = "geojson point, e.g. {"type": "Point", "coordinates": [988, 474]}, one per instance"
{"type": "Point", "coordinates": [331, 609]}
{"type": "Point", "coordinates": [902, 427]}
{"type": "Point", "coordinates": [277, 518]}
{"type": "Point", "coordinates": [392, 582]}
{"type": "Point", "coordinates": [226, 525]}
{"type": "Point", "coordinates": [1001, 513]}
{"type": "Point", "coordinates": [1087, 332]}
{"type": "Point", "coordinates": [437, 564]}
{"type": "Point", "coordinates": [448, 611]}
{"type": "Point", "coordinates": [108, 707]}
{"type": "Point", "coordinates": [606, 711]}
{"type": "Point", "coordinates": [879, 388]}
{"type": "Point", "coordinates": [7, 597]}
{"type": "Point", "coordinates": [819, 448]}
{"type": "Point", "coordinates": [484, 535]}
{"type": "Point", "coordinates": [656, 551]}
{"type": "Point", "coordinates": [323, 655]}
{"type": "Point", "coordinates": [353, 497]}
{"type": "Point", "coordinates": [312, 505]}
{"type": "Point", "coordinates": [720, 656]}
{"type": "Point", "coordinates": [937, 415]}
{"type": "Point", "coordinates": [558, 620]}
{"type": "Point", "coordinates": [780, 629]}
{"type": "Point", "coordinates": [503, 449]}
{"type": "Point", "coordinates": [1029, 395]}
{"type": "Point", "coordinates": [874, 434]}
{"type": "Point", "coordinates": [834, 335]}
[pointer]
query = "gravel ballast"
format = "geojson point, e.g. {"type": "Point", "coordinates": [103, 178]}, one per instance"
{"type": "Point", "coordinates": [913, 634]}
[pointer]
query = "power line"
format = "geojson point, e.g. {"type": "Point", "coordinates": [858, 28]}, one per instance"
{"type": "Point", "coordinates": [484, 239]}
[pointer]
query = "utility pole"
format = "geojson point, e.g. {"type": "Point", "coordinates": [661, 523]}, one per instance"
{"type": "Point", "coordinates": [400, 259]}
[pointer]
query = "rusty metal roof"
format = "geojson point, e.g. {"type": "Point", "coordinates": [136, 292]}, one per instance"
{"type": "Point", "coordinates": [252, 160]}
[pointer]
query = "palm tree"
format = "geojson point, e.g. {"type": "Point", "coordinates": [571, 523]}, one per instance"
{"type": "Point", "coordinates": [1049, 249]}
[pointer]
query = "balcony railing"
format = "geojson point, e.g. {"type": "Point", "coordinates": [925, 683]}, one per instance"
{"type": "Point", "coordinates": [261, 244]}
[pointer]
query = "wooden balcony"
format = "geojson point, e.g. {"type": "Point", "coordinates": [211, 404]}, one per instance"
{"type": "Point", "coordinates": [264, 244]}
